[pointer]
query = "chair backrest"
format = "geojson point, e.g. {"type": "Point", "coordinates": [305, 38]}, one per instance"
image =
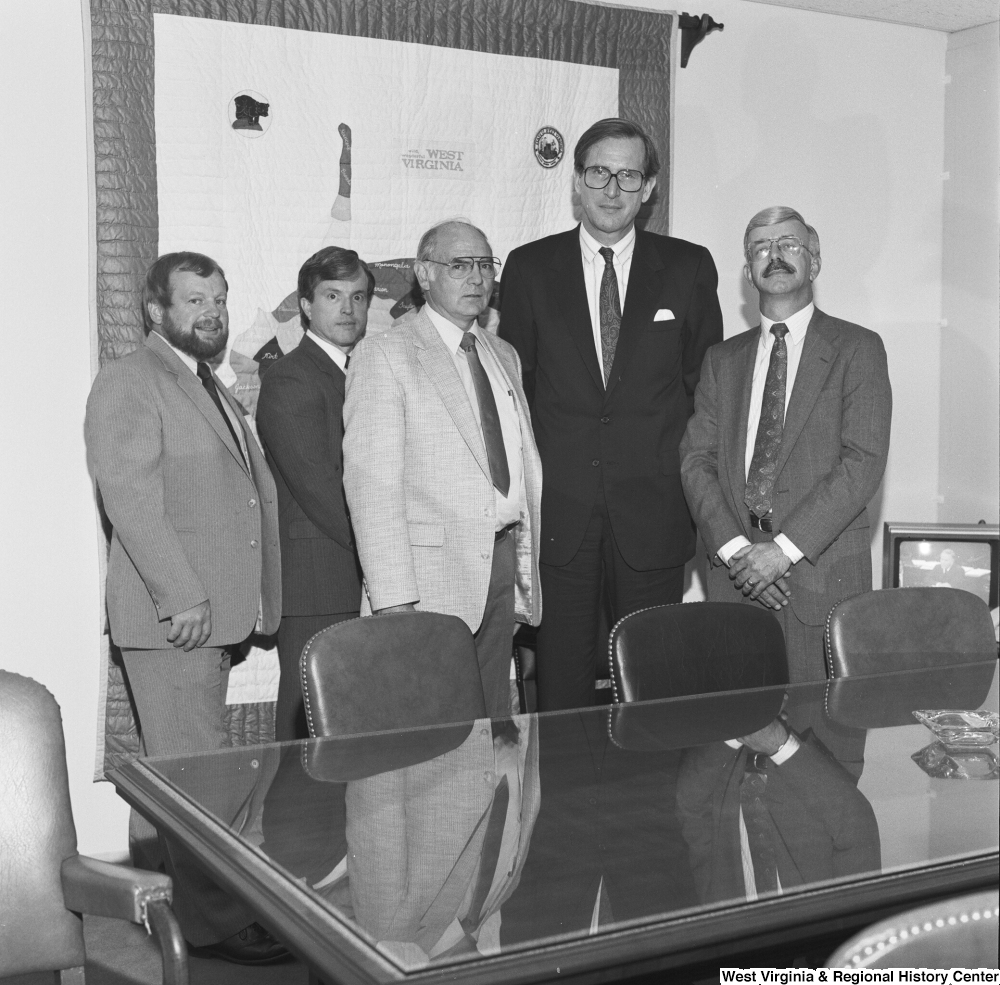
{"type": "Point", "coordinates": [398, 671]}
{"type": "Point", "coordinates": [695, 648]}
{"type": "Point", "coordinates": [945, 633]}
{"type": "Point", "coordinates": [37, 932]}
{"type": "Point", "coordinates": [908, 629]}
{"type": "Point", "coordinates": [952, 933]}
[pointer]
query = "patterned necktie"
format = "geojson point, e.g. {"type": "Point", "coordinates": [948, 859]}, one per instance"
{"type": "Point", "coordinates": [611, 311]}
{"type": "Point", "coordinates": [757, 821]}
{"type": "Point", "coordinates": [763, 465]}
{"type": "Point", "coordinates": [489, 418]}
{"type": "Point", "coordinates": [208, 382]}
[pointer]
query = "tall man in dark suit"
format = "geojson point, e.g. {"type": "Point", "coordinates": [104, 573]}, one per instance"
{"type": "Point", "coordinates": [787, 445]}
{"type": "Point", "coordinates": [300, 414]}
{"type": "Point", "coordinates": [611, 324]}
{"type": "Point", "coordinates": [194, 563]}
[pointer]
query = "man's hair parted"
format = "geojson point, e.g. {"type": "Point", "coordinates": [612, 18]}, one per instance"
{"type": "Point", "coordinates": [774, 214]}
{"type": "Point", "coordinates": [331, 263]}
{"type": "Point", "coordinates": [617, 127]}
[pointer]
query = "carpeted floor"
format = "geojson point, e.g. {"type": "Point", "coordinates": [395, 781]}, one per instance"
{"type": "Point", "coordinates": [120, 953]}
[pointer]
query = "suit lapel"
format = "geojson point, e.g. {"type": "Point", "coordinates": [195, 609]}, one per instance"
{"type": "Point", "coordinates": [814, 367]}
{"type": "Point", "coordinates": [195, 390]}
{"type": "Point", "coordinates": [440, 369]}
{"type": "Point", "coordinates": [568, 284]}
{"type": "Point", "coordinates": [323, 363]}
{"type": "Point", "coordinates": [645, 284]}
{"type": "Point", "coordinates": [737, 388]}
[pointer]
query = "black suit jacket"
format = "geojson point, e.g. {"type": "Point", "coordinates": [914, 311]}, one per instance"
{"type": "Point", "coordinates": [632, 428]}
{"type": "Point", "coordinates": [300, 415]}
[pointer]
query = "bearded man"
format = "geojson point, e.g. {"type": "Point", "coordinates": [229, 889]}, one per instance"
{"type": "Point", "coordinates": [194, 565]}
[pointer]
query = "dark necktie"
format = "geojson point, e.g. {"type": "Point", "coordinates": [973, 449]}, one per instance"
{"type": "Point", "coordinates": [764, 464]}
{"type": "Point", "coordinates": [489, 418]}
{"type": "Point", "coordinates": [758, 823]}
{"type": "Point", "coordinates": [490, 855]}
{"type": "Point", "coordinates": [611, 311]}
{"type": "Point", "coordinates": [208, 382]}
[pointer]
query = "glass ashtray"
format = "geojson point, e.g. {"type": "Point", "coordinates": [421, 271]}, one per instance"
{"type": "Point", "coordinates": [943, 763]}
{"type": "Point", "coordinates": [961, 729]}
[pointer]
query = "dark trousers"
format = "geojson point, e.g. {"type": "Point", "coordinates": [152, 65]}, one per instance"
{"type": "Point", "coordinates": [293, 634]}
{"type": "Point", "coordinates": [568, 643]}
{"type": "Point", "coordinates": [495, 636]}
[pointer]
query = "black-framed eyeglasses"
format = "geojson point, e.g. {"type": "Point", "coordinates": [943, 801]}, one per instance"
{"type": "Point", "coordinates": [789, 245]}
{"type": "Point", "coordinates": [461, 267]}
{"type": "Point", "coordinates": [598, 176]}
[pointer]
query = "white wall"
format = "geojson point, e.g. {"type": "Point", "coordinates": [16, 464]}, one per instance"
{"type": "Point", "coordinates": [49, 594]}
{"type": "Point", "coordinates": [970, 341]}
{"type": "Point", "coordinates": [844, 119]}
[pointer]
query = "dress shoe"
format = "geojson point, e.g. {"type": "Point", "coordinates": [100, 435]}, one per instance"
{"type": "Point", "coordinates": [252, 945]}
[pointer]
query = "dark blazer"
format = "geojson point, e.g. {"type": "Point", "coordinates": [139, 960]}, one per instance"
{"type": "Point", "coordinates": [300, 421]}
{"type": "Point", "coordinates": [833, 453]}
{"type": "Point", "coordinates": [634, 427]}
{"type": "Point", "coordinates": [824, 828]}
{"type": "Point", "coordinates": [192, 520]}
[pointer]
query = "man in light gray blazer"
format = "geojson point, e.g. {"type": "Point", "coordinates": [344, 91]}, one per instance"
{"type": "Point", "coordinates": [441, 471]}
{"type": "Point", "coordinates": [194, 562]}
{"type": "Point", "coordinates": [787, 445]}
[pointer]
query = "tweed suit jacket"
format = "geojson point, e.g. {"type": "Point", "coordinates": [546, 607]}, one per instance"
{"type": "Point", "coordinates": [300, 421]}
{"type": "Point", "coordinates": [191, 521]}
{"type": "Point", "coordinates": [833, 453]}
{"type": "Point", "coordinates": [418, 480]}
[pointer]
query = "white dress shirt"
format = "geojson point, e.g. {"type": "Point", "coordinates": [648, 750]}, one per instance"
{"type": "Point", "coordinates": [593, 274]}
{"type": "Point", "coordinates": [336, 354]}
{"type": "Point", "coordinates": [794, 342]}
{"type": "Point", "coordinates": [509, 507]}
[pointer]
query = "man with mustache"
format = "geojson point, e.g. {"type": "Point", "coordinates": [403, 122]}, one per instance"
{"type": "Point", "coordinates": [787, 445]}
{"type": "Point", "coordinates": [441, 471]}
{"type": "Point", "coordinates": [194, 565]}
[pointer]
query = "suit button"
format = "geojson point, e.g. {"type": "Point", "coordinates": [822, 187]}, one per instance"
{"type": "Point", "coordinates": [485, 557]}
{"type": "Point", "coordinates": [596, 462]}
{"type": "Point", "coordinates": [488, 776]}
{"type": "Point", "coordinates": [605, 420]}
{"type": "Point", "coordinates": [251, 503]}
{"type": "Point", "coordinates": [253, 543]}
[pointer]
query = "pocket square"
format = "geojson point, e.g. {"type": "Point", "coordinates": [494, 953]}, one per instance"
{"type": "Point", "coordinates": [664, 314]}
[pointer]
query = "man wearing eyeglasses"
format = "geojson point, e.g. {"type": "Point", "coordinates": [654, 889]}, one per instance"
{"type": "Point", "coordinates": [787, 445]}
{"type": "Point", "coordinates": [441, 471]}
{"type": "Point", "coordinates": [611, 324]}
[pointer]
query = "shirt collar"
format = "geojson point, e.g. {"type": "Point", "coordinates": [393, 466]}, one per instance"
{"type": "Point", "coordinates": [592, 249]}
{"type": "Point", "coordinates": [337, 355]}
{"type": "Point", "coordinates": [450, 333]}
{"type": "Point", "coordinates": [189, 361]}
{"type": "Point", "coordinates": [796, 324]}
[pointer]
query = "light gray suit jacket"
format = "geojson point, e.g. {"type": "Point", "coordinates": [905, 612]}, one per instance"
{"type": "Point", "coordinates": [191, 521]}
{"type": "Point", "coordinates": [833, 453]}
{"type": "Point", "coordinates": [418, 480]}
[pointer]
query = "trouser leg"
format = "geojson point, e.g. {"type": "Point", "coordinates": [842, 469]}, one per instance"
{"type": "Point", "coordinates": [495, 636]}
{"type": "Point", "coordinates": [293, 634]}
{"type": "Point", "coordinates": [180, 699]}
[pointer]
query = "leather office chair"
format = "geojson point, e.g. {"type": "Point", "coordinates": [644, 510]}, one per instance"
{"type": "Point", "coordinates": [669, 651]}
{"type": "Point", "coordinates": [399, 671]}
{"type": "Point", "coordinates": [953, 933]}
{"type": "Point", "coordinates": [944, 632]}
{"type": "Point", "coordinates": [44, 883]}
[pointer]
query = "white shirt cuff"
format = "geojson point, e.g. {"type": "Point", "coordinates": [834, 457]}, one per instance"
{"type": "Point", "coordinates": [793, 553]}
{"type": "Point", "coordinates": [731, 547]}
{"type": "Point", "coordinates": [788, 749]}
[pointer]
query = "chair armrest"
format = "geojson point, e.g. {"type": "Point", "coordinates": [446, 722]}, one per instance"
{"type": "Point", "coordinates": [102, 889]}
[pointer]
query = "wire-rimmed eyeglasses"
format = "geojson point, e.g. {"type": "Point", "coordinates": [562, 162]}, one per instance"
{"type": "Point", "coordinates": [461, 267]}
{"type": "Point", "coordinates": [789, 245]}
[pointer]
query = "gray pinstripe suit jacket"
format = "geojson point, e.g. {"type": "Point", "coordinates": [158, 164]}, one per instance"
{"type": "Point", "coordinates": [418, 480]}
{"type": "Point", "coordinates": [191, 522]}
{"type": "Point", "coordinates": [833, 453]}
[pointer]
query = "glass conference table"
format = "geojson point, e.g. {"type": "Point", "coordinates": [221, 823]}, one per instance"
{"type": "Point", "coordinates": [596, 845]}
